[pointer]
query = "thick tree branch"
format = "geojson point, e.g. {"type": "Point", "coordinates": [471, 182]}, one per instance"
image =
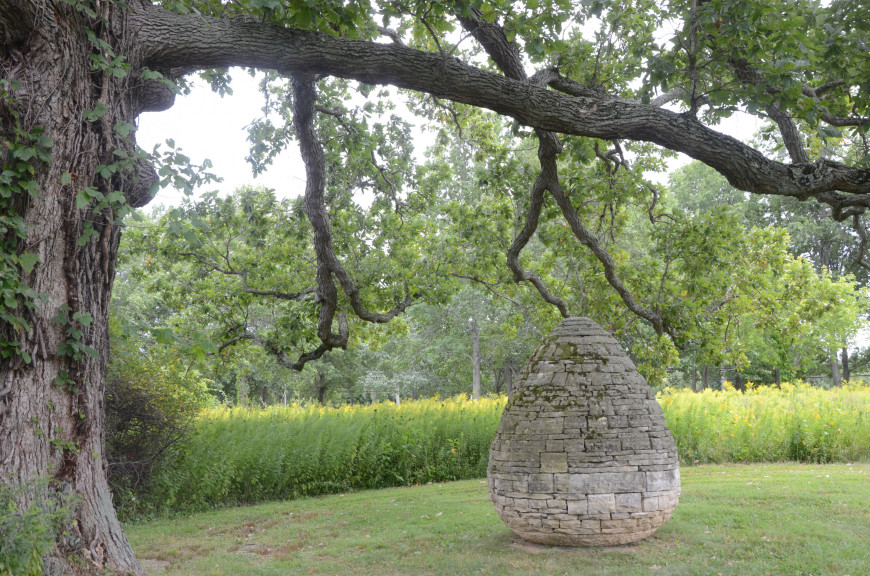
{"type": "Point", "coordinates": [861, 257]}
{"type": "Point", "coordinates": [304, 98]}
{"type": "Point", "coordinates": [536, 202]}
{"type": "Point", "coordinates": [171, 40]}
{"type": "Point", "coordinates": [840, 121]}
{"type": "Point", "coordinates": [507, 58]}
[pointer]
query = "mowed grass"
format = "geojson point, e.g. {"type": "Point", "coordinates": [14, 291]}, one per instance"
{"type": "Point", "coordinates": [790, 519]}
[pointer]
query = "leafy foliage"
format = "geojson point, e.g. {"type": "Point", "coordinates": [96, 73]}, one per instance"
{"type": "Point", "coordinates": [20, 157]}
{"type": "Point", "coordinates": [153, 395]}
{"type": "Point", "coordinates": [31, 530]}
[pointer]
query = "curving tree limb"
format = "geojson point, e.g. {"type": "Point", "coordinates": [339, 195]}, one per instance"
{"type": "Point", "coordinates": [329, 269]}
{"type": "Point", "coordinates": [507, 58]}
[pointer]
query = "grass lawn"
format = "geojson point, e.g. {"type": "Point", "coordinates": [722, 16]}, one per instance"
{"type": "Point", "coordinates": [788, 519]}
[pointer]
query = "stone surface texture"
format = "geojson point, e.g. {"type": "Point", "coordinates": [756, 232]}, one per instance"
{"type": "Point", "coordinates": [582, 455]}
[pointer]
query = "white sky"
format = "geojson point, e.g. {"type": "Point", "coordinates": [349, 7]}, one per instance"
{"type": "Point", "coordinates": [204, 125]}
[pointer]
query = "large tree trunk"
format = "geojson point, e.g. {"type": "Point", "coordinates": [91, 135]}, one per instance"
{"type": "Point", "coordinates": [52, 407]}
{"type": "Point", "coordinates": [509, 380]}
{"type": "Point", "coordinates": [835, 368]}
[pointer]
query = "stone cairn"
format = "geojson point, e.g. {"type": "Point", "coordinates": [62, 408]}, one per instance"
{"type": "Point", "coordinates": [582, 455]}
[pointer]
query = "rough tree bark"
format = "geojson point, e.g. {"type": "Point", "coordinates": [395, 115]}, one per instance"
{"type": "Point", "coordinates": [51, 409]}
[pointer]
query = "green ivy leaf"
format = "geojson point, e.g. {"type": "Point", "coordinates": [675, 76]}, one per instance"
{"type": "Point", "coordinates": [124, 128]}
{"type": "Point", "coordinates": [28, 261]}
{"type": "Point", "coordinates": [95, 114]}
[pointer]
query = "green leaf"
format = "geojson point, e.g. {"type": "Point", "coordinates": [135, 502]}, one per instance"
{"type": "Point", "coordinates": [28, 261]}
{"type": "Point", "coordinates": [24, 153]}
{"type": "Point", "coordinates": [32, 187]}
{"type": "Point", "coordinates": [83, 318]}
{"type": "Point", "coordinates": [147, 74]}
{"type": "Point", "coordinates": [95, 114]}
{"type": "Point", "coordinates": [124, 128]}
{"type": "Point", "coordinates": [830, 132]}
{"type": "Point", "coordinates": [191, 237]}
{"type": "Point", "coordinates": [83, 200]}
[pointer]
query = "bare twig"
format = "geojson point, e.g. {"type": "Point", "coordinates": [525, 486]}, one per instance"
{"type": "Point", "coordinates": [489, 286]}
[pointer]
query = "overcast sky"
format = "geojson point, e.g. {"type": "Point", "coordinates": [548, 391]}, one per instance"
{"type": "Point", "coordinates": [204, 125]}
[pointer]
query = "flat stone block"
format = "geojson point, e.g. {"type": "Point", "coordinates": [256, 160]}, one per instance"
{"type": "Point", "coordinates": [578, 506]}
{"type": "Point", "coordinates": [540, 483]}
{"type": "Point", "coordinates": [612, 482]}
{"type": "Point", "coordinates": [554, 462]}
{"type": "Point", "coordinates": [601, 504]}
{"type": "Point", "coordinates": [651, 504]}
{"type": "Point", "coordinates": [631, 502]}
{"type": "Point", "coordinates": [663, 480]}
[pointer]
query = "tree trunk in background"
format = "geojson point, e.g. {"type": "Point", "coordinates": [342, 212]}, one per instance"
{"type": "Point", "coordinates": [475, 360]}
{"type": "Point", "coordinates": [835, 368]}
{"type": "Point", "coordinates": [509, 379]}
{"type": "Point", "coordinates": [242, 390]}
{"type": "Point", "coordinates": [694, 378]}
{"type": "Point", "coordinates": [320, 389]}
{"type": "Point", "coordinates": [705, 377]}
{"type": "Point", "coordinates": [844, 355]}
{"type": "Point", "coordinates": [778, 377]}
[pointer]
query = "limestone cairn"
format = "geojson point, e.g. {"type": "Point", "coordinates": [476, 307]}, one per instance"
{"type": "Point", "coordinates": [582, 455]}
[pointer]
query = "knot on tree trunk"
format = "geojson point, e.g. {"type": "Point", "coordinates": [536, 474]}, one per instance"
{"type": "Point", "coordinates": [140, 192]}
{"type": "Point", "coordinates": [153, 95]}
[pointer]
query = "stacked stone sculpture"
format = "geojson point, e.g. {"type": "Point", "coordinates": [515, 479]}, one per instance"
{"type": "Point", "coordinates": [582, 455]}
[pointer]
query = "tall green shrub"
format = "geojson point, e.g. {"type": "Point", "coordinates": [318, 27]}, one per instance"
{"type": "Point", "coordinates": [152, 399]}
{"type": "Point", "coordinates": [796, 422]}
